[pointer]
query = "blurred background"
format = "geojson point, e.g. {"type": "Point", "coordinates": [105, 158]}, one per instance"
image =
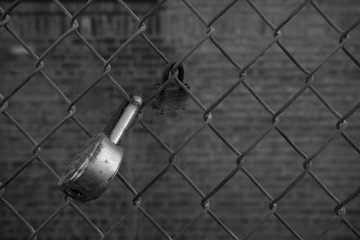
{"type": "Point", "coordinates": [174, 29]}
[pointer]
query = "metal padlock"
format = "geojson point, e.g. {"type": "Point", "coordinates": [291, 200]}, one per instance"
{"type": "Point", "coordinates": [92, 169]}
{"type": "Point", "coordinates": [173, 96]}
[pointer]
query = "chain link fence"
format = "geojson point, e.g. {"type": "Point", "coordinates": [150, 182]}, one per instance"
{"type": "Point", "coordinates": [340, 121]}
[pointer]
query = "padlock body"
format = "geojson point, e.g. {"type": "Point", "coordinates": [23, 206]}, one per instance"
{"type": "Point", "coordinates": [92, 170]}
{"type": "Point", "coordinates": [171, 98]}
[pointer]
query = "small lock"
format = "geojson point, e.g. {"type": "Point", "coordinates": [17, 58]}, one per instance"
{"type": "Point", "coordinates": [173, 97]}
{"type": "Point", "coordinates": [92, 169]}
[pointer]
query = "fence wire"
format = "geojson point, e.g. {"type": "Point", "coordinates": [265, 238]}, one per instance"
{"type": "Point", "coordinates": [340, 121]}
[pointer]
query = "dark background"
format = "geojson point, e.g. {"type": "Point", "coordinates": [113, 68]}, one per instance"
{"type": "Point", "coordinates": [206, 160]}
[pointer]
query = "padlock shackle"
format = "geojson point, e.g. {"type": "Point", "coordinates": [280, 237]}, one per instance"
{"type": "Point", "coordinates": [167, 72]}
{"type": "Point", "coordinates": [123, 119]}
{"type": "Point", "coordinates": [115, 117]}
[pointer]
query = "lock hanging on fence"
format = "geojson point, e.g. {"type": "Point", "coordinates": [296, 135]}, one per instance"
{"type": "Point", "coordinates": [173, 97]}
{"type": "Point", "coordinates": [91, 171]}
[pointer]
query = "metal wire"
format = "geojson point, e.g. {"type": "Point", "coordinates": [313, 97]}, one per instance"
{"type": "Point", "coordinates": [274, 118]}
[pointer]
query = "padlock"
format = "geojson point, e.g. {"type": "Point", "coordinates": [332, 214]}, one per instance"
{"type": "Point", "coordinates": [173, 97]}
{"type": "Point", "coordinates": [92, 169]}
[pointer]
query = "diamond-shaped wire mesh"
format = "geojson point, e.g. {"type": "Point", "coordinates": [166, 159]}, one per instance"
{"type": "Point", "coordinates": [102, 72]}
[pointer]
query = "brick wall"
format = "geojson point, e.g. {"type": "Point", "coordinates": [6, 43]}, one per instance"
{"type": "Point", "coordinates": [207, 160]}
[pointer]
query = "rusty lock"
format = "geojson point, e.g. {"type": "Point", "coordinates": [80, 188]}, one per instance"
{"type": "Point", "coordinates": [173, 97]}
{"type": "Point", "coordinates": [92, 169]}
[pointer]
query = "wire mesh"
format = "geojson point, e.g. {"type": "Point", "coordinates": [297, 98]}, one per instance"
{"type": "Point", "coordinates": [274, 116]}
